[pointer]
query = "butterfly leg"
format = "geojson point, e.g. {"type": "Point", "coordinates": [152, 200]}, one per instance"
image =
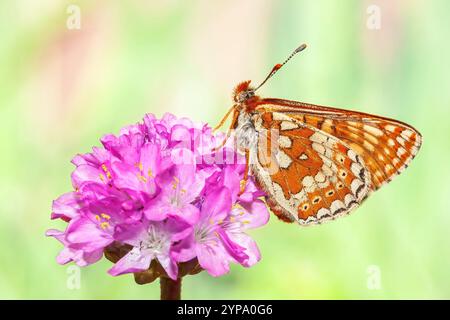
{"type": "Point", "coordinates": [224, 118]}
{"type": "Point", "coordinates": [247, 162]}
{"type": "Point", "coordinates": [230, 129]}
{"type": "Point", "coordinates": [224, 141]}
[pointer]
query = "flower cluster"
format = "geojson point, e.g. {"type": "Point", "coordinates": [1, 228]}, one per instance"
{"type": "Point", "coordinates": [155, 189]}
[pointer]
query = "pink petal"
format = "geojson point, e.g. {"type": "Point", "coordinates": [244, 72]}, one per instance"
{"type": "Point", "coordinates": [91, 257]}
{"type": "Point", "coordinates": [150, 159]}
{"type": "Point", "coordinates": [183, 156]}
{"type": "Point", "coordinates": [126, 176]}
{"type": "Point", "coordinates": [255, 214]}
{"type": "Point", "coordinates": [232, 181]}
{"type": "Point", "coordinates": [217, 205]}
{"type": "Point", "coordinates": [79, 160]}
{"type": "Point", "coordinates": [66, 206]}
{"type": "Point", "coordinates": [133, 261]}
{"type": "Point", "coordinates": [58, 235]}
{"type": "Point", "coordinates": [180, 137]}
{"type": "Point", "coordinates": [169, 265]}
{"type": "Point", "coordinates": [109, 141]}
{"type": "Point", "coordinates": [177, 228]}
{"type": "Point", "coordinates": [189, 213]}
{"type": "Point", "coordinates": [185, 249]}
{"type": "Point", "coordinates": [68, 254]}
{"type": "Point", "coordinates": [234, 249]}
{"type": "Point", "coordinates": [90, 237]}
{"type": "Point", "coordinates": [250, 248]}
{"type": "Point", "coordinates": [86, 173]}
{"type": "Point", "coordinates": [64, 256]}
{"type": "Point", "coordinates": [158, 210]}
{"type": "Point", "coordinates": [213, 259]}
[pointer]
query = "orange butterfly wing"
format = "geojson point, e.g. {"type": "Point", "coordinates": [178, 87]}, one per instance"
{"type": "Point", "coordinates": [386, 145]}
{"type": "Point", "coordinates": [327, 160]}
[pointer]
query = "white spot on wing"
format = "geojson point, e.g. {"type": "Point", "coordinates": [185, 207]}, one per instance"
{"type": "Point", "coordinates": [288, 125]}
{"type": "Point", "coordinates": [284, 142]}
{"type": "Point", "coordinates": [283, 159]}
{"type": "Point", "coordinates": [303, 156]}
{"type": "Point", "coordinates": [320, 177]}
{"type": "Point", "coordinates": [356, 184]}
{"type": "Point", "coordinates": [336, 205]}
{"type": "Point", "coordinates": [356, 168]}
{"type": "Point", "coordinates": [323, 212]}
{"type": "Point", "coordinates": [391, 142]}
{"type": "Point", "coordinates": [352, 155]}
{"type": "Point", "coordinates": [401, 151]}
{"type": "Point", "coordinates": [300, 197]}
{"type": "Point", "coordinates": [318, 147]}
{"type": "Point", "coordinates": [368, 146]}
{"type": "Point", "coordinates": [318, 137]}
{"type": "Point", "coordinates": [407, 133]}
{"type": "Point", "coordinates": [348, 199]}
{"type": "Point", "coordinates": [400, 140]}
{"type": "Point", "coordinates": [373, 130]}
{"type": "Point", "coordinates": [390, 128]}
{"type": "Point", "coordinates": [308, 184]}
{"type": "Point", "coordinates": [278, 116]}
{"type": "Point", "coordinates": [327, 170]}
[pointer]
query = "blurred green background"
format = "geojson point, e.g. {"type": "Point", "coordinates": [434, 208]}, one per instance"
{"type": "Point", "coordinates": [62, 88]}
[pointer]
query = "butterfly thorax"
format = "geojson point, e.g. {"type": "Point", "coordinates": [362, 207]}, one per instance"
{"type": "Point", "coordinates": [246, 134]}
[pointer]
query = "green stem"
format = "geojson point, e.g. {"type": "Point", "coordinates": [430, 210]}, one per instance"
{"type": "Point", "coordinates": [170, 289]}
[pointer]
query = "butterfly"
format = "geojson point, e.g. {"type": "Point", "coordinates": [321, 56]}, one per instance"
{"type": "Point", "coordinates": [316, 163]}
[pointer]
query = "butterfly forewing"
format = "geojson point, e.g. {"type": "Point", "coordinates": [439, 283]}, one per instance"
{"type": "Point", "coordinates": [387, 146]}
{"type": "Point", "coordinates": [327, 160]}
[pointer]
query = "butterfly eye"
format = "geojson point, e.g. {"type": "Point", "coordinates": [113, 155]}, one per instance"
{"type": "Point", "coordinates": [245, 95]}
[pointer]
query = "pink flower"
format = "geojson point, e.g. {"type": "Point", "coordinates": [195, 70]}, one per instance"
{"type": "Point", "coordinates": [160, 189]}
{"type": "Point", "coordinates": [154, 240]}
{"type": "Point", "coordinates": [219, 236]}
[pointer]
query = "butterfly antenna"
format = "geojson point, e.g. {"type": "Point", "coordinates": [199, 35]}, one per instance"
{"type": "Point", "coordinates": [279, 65]}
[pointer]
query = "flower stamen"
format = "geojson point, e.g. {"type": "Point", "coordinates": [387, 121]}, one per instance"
{"type": "Point", "coordinates": [141, 178]}
{"type": "Point", "coordinates": [100, 218]}
{"type": "Point", "coordinates": [104, 225]}
{"type": "Point", "coordinates": [105, 216]}
{"type": "Point", "coordinates": [105, 169]}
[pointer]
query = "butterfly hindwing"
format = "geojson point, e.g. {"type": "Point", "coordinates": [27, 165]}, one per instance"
{"type": "Point", "coordinates": [310, 176]}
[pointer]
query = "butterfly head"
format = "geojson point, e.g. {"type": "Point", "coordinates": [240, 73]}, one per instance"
{"type": "Point", "coordinates": [243, 92]}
